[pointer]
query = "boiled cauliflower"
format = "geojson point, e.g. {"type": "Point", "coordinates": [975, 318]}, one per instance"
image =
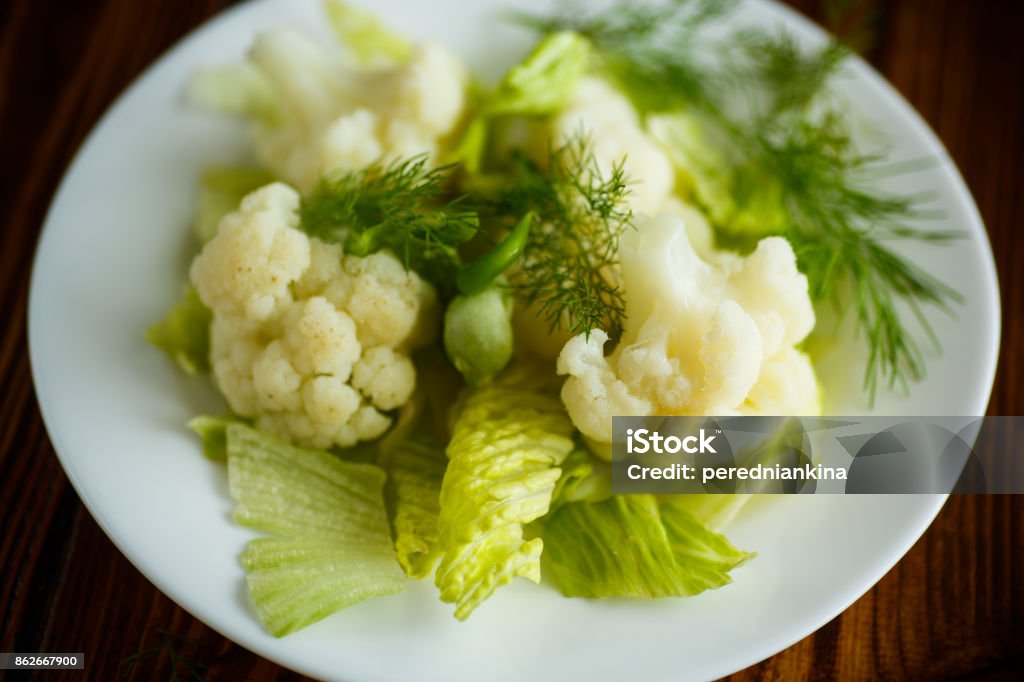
{"type": "Point", "coordinates": [615, 135]}
{"type": "Point", "coordinates": [710, 335]}
{"type": "Point", "coordinates": [335, 116]}
{"type": "Point", "coordinates": [310, 343]}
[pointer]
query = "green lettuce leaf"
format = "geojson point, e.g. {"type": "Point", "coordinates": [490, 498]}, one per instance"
{"type": "Point", "coordinates": [221, 190]}
{"type": "Point", "coordinates": [583, 478]}
{"type": "Point", "coordinates": [542, 82]}
{"type": "Point", "coordinates": [507, 443]}
{"type": "Point", "coordinates": [713, 510]}
{"type": "Point", "coordinates": [470, 148]}
{"type": "Point", "coordinates": [740, 198]}
{"type": "Point", "coordinates": [184, 334]}
{"type": "Point", "coordinates": [364, 35]}
{"type": "Point", "coordinates": [539, 85]}
{"type": "Point", "coordinates": [630, 546]}
{"type": "Point", "coordinates": [334, 548]}
{"type": "Point", "coordinates": [415, 472]}
{"type": "Point", "coordinates": [703, 557]}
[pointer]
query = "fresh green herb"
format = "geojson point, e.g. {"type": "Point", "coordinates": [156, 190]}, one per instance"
{"type": "Point", "coordinates": [568, 265]}
{"type": "Point", "coordinates": [780, 76]}
{"type": "Point", "coordinates": [644, 46]}
{"type": "Point", "coordinates": [767, 149]}
{"type": "Point", "coordinates": [405, 206]}
{"type": "Point", "coordinates": [841, 234]}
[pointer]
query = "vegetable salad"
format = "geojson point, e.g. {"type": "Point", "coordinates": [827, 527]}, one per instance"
{"type": "Point", "coordinates": [427, 302]}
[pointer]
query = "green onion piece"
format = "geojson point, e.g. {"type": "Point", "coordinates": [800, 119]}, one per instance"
{"type": "Point", "coordinates": [476, 276]}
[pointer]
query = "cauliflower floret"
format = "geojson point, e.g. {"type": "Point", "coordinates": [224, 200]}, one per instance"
{"type": "Point", "coordinates": [384, 376]}
{"type": "Point", "coordinates": [234, 347]}
{"type": "Point", "coordinates": [702, 336]}
{"type": "Point", "coordinates": [731, 354]}
{"type": "Point", "coordinates": [275, 381]}
{"type": "Point", "coordinates": [786, 385]}
{"type": "Point", "coordinates": [321, 339]}
{"type": "Point", "coordinates": [257, 254]}
{"type": "Point", "coordinates": [388, 299]}
{"type": "Point", "coordinates": [329, 400]}
{"type": "Point", "coordinates": [309, 342]}
{"type": "Point", "coordinates": [350, 142]}
{"type": "Point", "coordinates": [394, 306]}
{"type": "Point", "coordinates": [324, 272]}
{"type": "Point", "coordinates": [615, 136]}
{"type": "Point", "coordinates": [770, 287]}
{"type": "Point", "coordinates": [421, 100]}
{"type": "Point", "coordinates": [337, 117]}
{"type": "Point", "coordinates": [698, 229]}
{"type": "Point", "coordinates": [594, 391]}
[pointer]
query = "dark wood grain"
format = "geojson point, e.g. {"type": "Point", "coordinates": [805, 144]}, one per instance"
{"type": "Point", "coordinates": [952, 608]}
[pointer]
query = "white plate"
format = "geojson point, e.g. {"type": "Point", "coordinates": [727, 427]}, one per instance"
{"type": "Point", "coordinates": [111, 260]}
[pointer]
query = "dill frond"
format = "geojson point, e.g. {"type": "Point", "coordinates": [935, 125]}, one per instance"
{"type": "Point", "coordinates": [404, 206]}
{"type": "Point", "coordinates": [782, 77]}
{"type": "Point", "coordinates": [568, 267]}
{"type": "Point", "coordinates": [788, 160]}
{"type": "Point", "coordinates": [842, 233]}
{"type": "Point", "coordinates": [644, 46]}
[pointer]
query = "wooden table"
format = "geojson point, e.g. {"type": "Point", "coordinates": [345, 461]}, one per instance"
{"type": "Point", "coordinates": [952, 608]}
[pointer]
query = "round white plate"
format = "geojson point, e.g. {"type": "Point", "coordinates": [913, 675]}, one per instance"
{"type": "Point", "coordinates": [112, 259]}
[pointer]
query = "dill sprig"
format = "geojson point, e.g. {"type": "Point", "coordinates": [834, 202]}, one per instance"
{"type": "Point", "coordinates": [776, 75]}
{"type": "Point", "coordinates": [638, 45]}
{"type": "Point", "coordinates": [787, 156]}
{"type": "Point", "coordinates": [841, 233]}
{"type": "Point", "coordinates": [404, 206]}
{"type": "Point", "coordinates": [568, 266]}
